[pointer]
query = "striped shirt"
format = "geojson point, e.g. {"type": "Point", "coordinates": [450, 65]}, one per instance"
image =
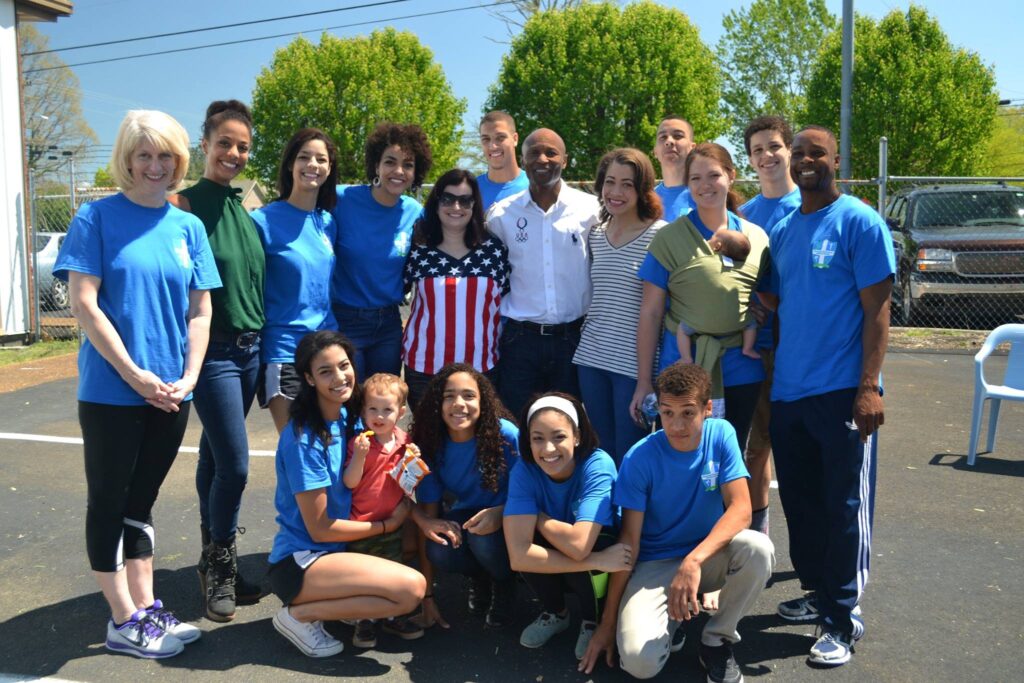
{"type": "Point", "coordinates": [455, 312]}
{"type": "Point", "coordinates": [608, 340]}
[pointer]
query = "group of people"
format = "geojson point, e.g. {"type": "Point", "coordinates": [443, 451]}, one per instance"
{"type": "Point", "coordinates": [597, 383]}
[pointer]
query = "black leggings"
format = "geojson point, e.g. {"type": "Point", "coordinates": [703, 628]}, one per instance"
{"type": "Point", "coordinates": [128, 452]}
{"type": "Point", "coordinates": [552, 588]}
{"type": "Point", "coordinates": [740, 403]}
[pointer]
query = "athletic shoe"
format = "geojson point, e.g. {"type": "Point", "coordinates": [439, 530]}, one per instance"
{"type": "Point", "coordinates": [404, 627]}
{"type": "Point", "coordinates": [544, 628]}
{"type": "Point", "coordinates": [799, 609]}
{"type": "Point", "coordinates": [678, 639]}
{"type": "Point", "coordinates": [142, 638]}
{"type": "Point", "coordinates": [479, 594]}
{"type": "Point", "coordinates": [165, 619]}
{"type": "Point", "coordinates": [832, 648]}
{"type": "Point", "coordinates": [365, 635]}
{"type": "Point", "coordinates": [587, 629]}
{"type": "Point", "coordinates": [310, 638]}
{"type": "Point", "coordinates": [720, 664]}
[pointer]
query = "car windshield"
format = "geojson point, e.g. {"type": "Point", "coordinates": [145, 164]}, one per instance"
{"type": "Point", "coordinates": [970, 208]}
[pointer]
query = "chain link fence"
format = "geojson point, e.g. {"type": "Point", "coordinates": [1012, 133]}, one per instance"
{"type": "Point", "coordinates": [51, 214]}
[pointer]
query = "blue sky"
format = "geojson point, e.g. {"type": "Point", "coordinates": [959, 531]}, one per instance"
{"type": "Point", "coordinates": [468, 45]}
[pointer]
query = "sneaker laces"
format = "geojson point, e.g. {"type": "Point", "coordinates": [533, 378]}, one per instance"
{"type": "Point", "coordinates": [320, 635]}
{"type": "Point", "coordinates": [150, 630]}
{"type": "Point", "coordinates": [163, 617]}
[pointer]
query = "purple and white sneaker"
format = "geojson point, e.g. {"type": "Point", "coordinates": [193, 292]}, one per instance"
{"type": "Point", "coordinates": [142, 637]}
{"type": "Point", "coordinates": [165, 619]}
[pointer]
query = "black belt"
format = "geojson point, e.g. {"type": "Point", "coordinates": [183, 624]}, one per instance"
{"type": "Point", "coordinates": [548, 330]}
{"type": "Point", "coordinates": [243, 340]}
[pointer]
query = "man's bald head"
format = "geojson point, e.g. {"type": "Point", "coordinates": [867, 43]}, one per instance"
{"type": "Point", "coordinates": [545, 136]}
{"type": "Point", "coordinates": [544, 158]}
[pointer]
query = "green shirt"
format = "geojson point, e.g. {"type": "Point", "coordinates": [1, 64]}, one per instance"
{"type": "Point", "coordinates": [238, 305]}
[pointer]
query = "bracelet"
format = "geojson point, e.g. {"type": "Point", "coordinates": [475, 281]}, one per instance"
{"type": "Point", "coordinates": [383, 528]}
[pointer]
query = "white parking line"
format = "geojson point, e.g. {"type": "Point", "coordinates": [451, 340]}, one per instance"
{"type": "Point", "coordinates": [74, 440]}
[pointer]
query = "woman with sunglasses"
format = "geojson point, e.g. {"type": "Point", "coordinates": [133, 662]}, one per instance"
{"type": "Point", "coordinates": [459, 272]}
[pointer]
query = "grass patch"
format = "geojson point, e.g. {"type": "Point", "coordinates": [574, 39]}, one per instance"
{"type": "Point", "coordinates": [24, 354]}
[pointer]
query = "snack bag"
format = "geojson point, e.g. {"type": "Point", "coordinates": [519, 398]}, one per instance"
{"type": "Point", "coordinates": [410, 470]}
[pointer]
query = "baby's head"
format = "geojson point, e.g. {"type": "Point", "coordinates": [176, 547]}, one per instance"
{"type": "Point", "coordinates": [731, 243]}
{"type": "Point", "coordinates": [384, 398]}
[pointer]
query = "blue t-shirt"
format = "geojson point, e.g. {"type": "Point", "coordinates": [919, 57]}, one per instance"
{"type": "Point", "coordinates": [678, 492]}
{"type": "Point", "coordinates": [373, 241]}
{"type": "Point", "coordinates": [820, 262]}
{"type": "Point", "coordinates": [304, 464]}
{"type": "Point", "coordinates": [767, 213]}
{"type": "Point", "coordinates": [299, 246]}
{"type": "Point", "coordinates": [586, 496]}
{"type": "Point", "coordinates": [737, 369]}
{"type": "Point", "coordinates": [455, 470]}
{"type": "Point", "coordinates": [676, 201]}
{"type": "Point", "coordinates": [148, 260]}
{"type": "Point", "coordinates": [492, 192]}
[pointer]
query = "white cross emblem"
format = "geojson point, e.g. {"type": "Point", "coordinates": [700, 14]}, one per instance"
{"type": "Point", "coordinates": [823, 254]}
{"type": "Point", "coordinates": [182, 251]}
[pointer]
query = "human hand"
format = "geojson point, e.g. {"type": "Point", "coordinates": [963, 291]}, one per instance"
{"type": "Point", "coordinates": [868, 411]}
{"type": "Point", "coordinates": [487, 521]}
{"type": "Point", "coordinates": [614, 558]}
{"type": "Point", "coordinates": [361, 445]}
{"type": "Point", "coordinates": [637, 403]}
{"type": "Point", "coordinates": [603, 640]}
{"type": "Point", "coordinates": [442, 531]}
{"type": "Point", "coordinates": [432, 615]}
{"type": "Point", "coordinates": [682, 592]}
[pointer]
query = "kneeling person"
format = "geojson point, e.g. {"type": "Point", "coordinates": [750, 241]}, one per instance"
{"type": "Point", "coordinates": [685, 511]}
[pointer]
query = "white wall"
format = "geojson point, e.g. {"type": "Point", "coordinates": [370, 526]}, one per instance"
{"type": "Point", "coordinates": [13, 278]}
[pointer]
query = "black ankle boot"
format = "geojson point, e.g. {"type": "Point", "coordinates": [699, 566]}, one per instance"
{"type": "Point", "coordinates": [220, 582]}
{"type": "Point", "coordinates": [246, 592]}
{"type": "Point", "coordinates": [503, 602]}
{"type": "Point", "coordinates": [479, 594]}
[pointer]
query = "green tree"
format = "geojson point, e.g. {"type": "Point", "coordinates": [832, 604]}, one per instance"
{"type": "Point", "coordinates": [103, 177]}
{"type": "Point", "coordinates": [935, 102]}
{"type": "Point", "coordinates": [603, 77]}
{"type": "Point", "coordinates": [346, 87]}
{"type": "Point", "coordinates": [196, 163]}
{"type": "Point", "coordinates": [1006, 148]}
{"type": "Point", "coordinates": [52, 103]}
{"type": "Point", "coordinates": [766, 52]}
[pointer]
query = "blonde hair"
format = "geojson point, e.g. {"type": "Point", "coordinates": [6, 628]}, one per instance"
{"type": "Point", "coordinates": [161, 131]}
{"type": "Point", "coordinates": [386, 383]}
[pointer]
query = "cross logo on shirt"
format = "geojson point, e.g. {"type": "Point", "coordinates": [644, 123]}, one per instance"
{"type": "Point", "coordinates": [823, 253]}
{"type": "Point", "coordinates": [182, 251]}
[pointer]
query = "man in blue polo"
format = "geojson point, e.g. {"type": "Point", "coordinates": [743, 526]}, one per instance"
{"type": "Point", "coordinates": [832, 270]}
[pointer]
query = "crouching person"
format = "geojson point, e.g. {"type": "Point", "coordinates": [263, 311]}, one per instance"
{"type": "Point", "coordinates": [685, 511]}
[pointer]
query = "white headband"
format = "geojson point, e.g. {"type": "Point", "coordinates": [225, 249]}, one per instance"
{"type": "Point", "coordinates": [556, 402]}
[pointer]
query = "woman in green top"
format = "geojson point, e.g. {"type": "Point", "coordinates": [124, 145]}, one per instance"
{"type": "Point", "coordinates": [227, 381]}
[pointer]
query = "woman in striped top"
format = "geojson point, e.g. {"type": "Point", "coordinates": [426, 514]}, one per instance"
{"type": "Point", "coordinates": [606, 355]}
{"type": "Point", "coordinates": [459, 272]}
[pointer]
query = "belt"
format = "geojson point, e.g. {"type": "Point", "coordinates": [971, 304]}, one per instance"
{"type": "Point", "coordinates": [546, 329]}
{"type": "Point", "coordinates": [243, 340]}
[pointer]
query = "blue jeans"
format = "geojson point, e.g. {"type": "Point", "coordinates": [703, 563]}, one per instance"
{"type": "Point", "coordinates": [530, 362]}
{"type": "Point", "coordinates": [477, 554]}
{"type": "Point", "coordinates": [222, 398]}
{"type": "Point", "coordinates": [606, 396]}
{"type": "Point", "coordinates": [377, 335]}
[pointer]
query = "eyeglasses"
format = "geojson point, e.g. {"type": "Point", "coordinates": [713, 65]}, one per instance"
{"type": "Point", "coordinates": [465, 201]}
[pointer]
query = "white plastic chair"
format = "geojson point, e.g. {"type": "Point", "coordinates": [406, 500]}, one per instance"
{"type": "Point", "coordinates": [1012, 387]}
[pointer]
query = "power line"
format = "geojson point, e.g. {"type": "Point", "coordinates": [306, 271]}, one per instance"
{"type": "Point", "coordinates": [279, 35]}
{"type": "Point", "coordinates": [212, 28]}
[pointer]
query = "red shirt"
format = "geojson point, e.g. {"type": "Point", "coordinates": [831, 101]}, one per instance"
{"type": "Point", "coordinates": [377, 494]}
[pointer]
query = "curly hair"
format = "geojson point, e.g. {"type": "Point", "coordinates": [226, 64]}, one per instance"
{"type": "Point", "coordinates": [430, 433]}
{"type": "Point", "coordinates": [775, 123]}
{"type": "Point", "coordinates": [410, 138]}
{"type": "Point", "coordinates": [684, 379]}
{"type": "Point", "coordinates": [305, 409]}
{"type": "Point", "coordinates": [648, 204]}
{"type": "Point", "coordinates": [428, 231]}
{"type": "Point", "coordinates": [585, 433]}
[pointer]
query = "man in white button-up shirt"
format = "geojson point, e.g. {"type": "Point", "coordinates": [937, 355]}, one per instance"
{"type": "Point", "coordinates": [545, 229]}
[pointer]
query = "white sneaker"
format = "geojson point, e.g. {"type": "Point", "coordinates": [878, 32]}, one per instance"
{"type": "Point", "coordinates": [165, 619]}
{"type": "Point", "coordinates": [310, 638]}
{"type": "Point", "coordinates": [587, 629]}
{"type": "Point", "coordinates": [142, 638]}
{"type": "Point", "coordinates": [543, 629]}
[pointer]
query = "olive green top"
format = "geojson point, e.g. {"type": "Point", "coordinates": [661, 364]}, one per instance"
{"type": "Point", "coordinates": [238, 305]}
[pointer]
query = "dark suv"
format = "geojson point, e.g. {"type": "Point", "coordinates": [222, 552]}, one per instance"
{"type": "Point", "coordinates": [959, 253]}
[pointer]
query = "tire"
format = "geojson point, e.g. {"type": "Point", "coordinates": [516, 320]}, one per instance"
{"type": "Point", "coordinates": [60, 296]}
{"type": "Point", "coordinates": [909, 315]}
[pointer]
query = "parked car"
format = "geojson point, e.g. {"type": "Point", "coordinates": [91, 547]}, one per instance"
{"type": "Point", "coordinates": [53, 293]}
{"type": "Point", "coordinates": [959, 253]}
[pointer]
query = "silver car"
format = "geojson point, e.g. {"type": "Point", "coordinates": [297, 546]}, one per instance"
{"type": "Point", "coordinates": [53, 292]}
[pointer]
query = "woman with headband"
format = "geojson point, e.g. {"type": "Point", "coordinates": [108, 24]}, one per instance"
{"type": "Point", "coordinates": [559, 520]}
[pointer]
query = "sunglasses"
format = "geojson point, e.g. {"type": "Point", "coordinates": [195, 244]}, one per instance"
{"type": "Point", "coordinates": [465, 201]}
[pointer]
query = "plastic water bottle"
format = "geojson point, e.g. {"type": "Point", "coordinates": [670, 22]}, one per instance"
{"type": "Point", "coordinates": [650, 407]}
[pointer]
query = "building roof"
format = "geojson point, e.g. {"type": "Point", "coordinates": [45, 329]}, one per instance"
{"type": "Point", "coordinates": [42, 10]}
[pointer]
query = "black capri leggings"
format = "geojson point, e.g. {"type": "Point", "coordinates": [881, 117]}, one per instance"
{"type": "Point", "coordinates": [740, 402]}
{"type": "Point", "coordinates": [551, 589]}
{"type": "Point", "coordinates": [128, 452]}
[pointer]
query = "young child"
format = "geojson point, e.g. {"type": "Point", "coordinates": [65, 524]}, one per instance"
{"type": "Point", "coordinates": [732, 245]}
{"type": "Point", "coordinates": [375, 494]}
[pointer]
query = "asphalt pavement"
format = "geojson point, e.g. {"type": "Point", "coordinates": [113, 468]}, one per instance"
{"type": "Point", "coordinates": [945, 601]}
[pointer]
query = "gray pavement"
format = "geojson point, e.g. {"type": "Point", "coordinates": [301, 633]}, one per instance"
{"type": "Point", "coordinates": [945, 603]}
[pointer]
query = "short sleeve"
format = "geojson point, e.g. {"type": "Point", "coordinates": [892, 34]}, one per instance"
{"type": "Point", "coordinates": [652, 271]}
{"type": "Point", "coordinates": [204, 267]}
{"type": "Point", "coordinates": [872, 258]}
{"type": "Point", "coordinates": [728, 454]}
{"type": "Point", "coordinates": [596, 495]}
{"type": "Point", "coordinates": [504, 269]}
{"type": "Point", "coordinates": [430, 489]}
{"type": "Point", "coordinates": [306, 466]}
{"type": "Point", "coordinates": [522, 499]}
{"type": "Point", "coordinates": [82, 250]}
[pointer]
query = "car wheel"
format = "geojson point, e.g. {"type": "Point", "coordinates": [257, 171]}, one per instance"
{"type": "Point", "coordinates": [60, 297]}
{"type": "Point", "coordinates": [908, 313]}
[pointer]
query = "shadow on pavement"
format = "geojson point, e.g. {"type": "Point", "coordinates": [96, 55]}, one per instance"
{"type": "Point", "coordinates": [985, 464]}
